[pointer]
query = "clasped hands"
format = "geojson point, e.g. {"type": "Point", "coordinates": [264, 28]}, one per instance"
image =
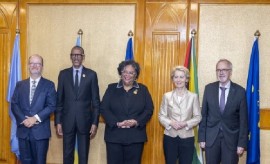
{"type": "Point", "coordinates": [29, 121]}
{"type": "Point", "coordinates": [127, 123]}
{"type": "Point", "coordinates": [177, 125]}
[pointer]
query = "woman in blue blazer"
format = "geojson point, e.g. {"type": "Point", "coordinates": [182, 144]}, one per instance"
{"type": "Point", "coordinates": [126, 107]}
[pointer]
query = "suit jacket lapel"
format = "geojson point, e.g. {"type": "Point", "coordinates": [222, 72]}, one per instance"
{"type": "Point", "coordinates": [175, 99]}
{"type": "Point", "coordinates": [135, 93]}
{"type": "Point", "coordinates": [82, 80]}
{"type": "Point", "coordinates": [121, 96]}
{"type": "Point", "coordinates": [216, 96]}
{"type": "Point", "coordinates": [230, 97]}
{"type": "Point", "coordinates": [70, 79]}
{"type": "Point", "coordinates": [121, 101]}
{"type": "Point", "coordinates": [27, 90]}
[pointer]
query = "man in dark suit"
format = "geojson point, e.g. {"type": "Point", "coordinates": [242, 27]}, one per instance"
{"type": "Point", "coordinates": [223, 131]}
{"type": "Point", "coordinates": [77, 110]}
{"type": "Point", "coordinates": [33, 101]}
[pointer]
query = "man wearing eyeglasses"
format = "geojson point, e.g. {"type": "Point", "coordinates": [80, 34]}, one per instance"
{"type": "Point", "coordinates": [77, 110]}
{"type": "Point", "coordinates": [223, 131]}
{"type": "Point", "coordinates": [33, 101]}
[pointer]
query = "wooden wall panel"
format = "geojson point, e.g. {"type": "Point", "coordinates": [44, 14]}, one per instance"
{"type": "Point", "coordinates": [165, 46]}
{"type": "Point", "coordinates": [7, 34]}
{"type": "Point", "coordinates": [161, 33]}
{"type": "Point", "coordinates": [26, 5]}
{"type": "Point", "coordinates": [265, 119]}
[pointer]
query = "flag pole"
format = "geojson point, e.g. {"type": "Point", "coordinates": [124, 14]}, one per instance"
{"type": "Point", "coordinates": [193, 32]}
{"type": "Point", "coordinates": [257, 34]}
{"type": "Point", "coordinates": [253, 103]}
{"type": "Point", "coordinates": [129, 49]}
{"type": "Point", "coordinates": [17, 31]}
{"type": "Point", "coordinates": [130, 33]}
{"type": "Point", "coordinates": [78, 43]}
{"type": "Point", "coordinates": [80, 33]}
{"type": "Point", "coordinates": [191, 64]}
{"type": "Point", "coordinates": [18, 16]}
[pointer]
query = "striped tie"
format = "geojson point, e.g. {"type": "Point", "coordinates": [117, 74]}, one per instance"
{"type": "Point", "coordinates": [33, 88]}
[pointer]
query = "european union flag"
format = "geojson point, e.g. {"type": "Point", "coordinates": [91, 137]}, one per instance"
{"type": "Point", "coordinates": [253, 98]}
{"type": "Point", "coordinates": [129, 51]}
{"type": "Point", "coordinates": [14, 76]}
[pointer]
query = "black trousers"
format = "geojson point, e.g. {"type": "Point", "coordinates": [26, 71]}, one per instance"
{"type": "Point", "coordinates": [69, 140]}
{"type": "Point", "coordinates": [220, 153]}
{"type": "Point", "coordinates": [33, 151]}
{"type": "Point", "coordinates": [178, 148]}
{"type": "Point", "coordinates": [124, 153]}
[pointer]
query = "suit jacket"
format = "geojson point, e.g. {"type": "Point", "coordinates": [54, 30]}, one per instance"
{"type": "Point", "coordinates": [187, 110]}
{"type": "Point", "coordinates": [43, 104]}
{"type": "Point", "coordinates": [114, 109]}
{"type": "Point", "coordinates": [81, 109]}
{"type": "Point", "coordinates": [233, 121]}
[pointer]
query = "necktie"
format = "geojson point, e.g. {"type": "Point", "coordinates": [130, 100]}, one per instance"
{"type": "Point", "coordinates": [33, 89]}
{"type": "Point", "coordinates": [76, 85]}
{"type": "Point", "coordinates": [222, 99]}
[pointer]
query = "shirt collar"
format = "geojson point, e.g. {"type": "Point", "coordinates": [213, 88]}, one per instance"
{"type": "Point", "coordinates": [227, 86]}
{"type": "Point", "coordinates": [80, 69]}
{"type": "Point", "coordinates": [120, 84]}
{"type": "Point", "coordinates": [37, 79]}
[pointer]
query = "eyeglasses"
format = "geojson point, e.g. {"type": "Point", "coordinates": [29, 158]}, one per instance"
{"type": "Point", "coordinates": [128, 73]}
{"type": "Point", "coordinates": [35, 64]}
{"type": "Point", "coordinates": [222, 70]}
{"type": "Point", "coordinates": [76, 55]}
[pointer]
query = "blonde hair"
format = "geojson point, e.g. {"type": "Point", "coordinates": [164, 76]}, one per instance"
{"type": "Point", "coordinates": [180, 68]}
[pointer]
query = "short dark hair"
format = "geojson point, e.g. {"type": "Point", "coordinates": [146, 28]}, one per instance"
{"type": "Point", "coordinates": [79, 48]}
{"type": "Point", "coordinates": [125, 63]}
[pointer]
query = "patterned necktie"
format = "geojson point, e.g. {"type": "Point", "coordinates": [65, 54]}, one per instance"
{"type": "Point", "coordinates": [76, 85]}
{"type": "Point", "coordinates": [222, 99]}
{"type": "Point", "coordinates": [33, 89]}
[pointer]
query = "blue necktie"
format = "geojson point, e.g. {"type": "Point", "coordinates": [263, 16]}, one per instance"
{"type": "Point", "coordinates": [222, 99]}
{"type": "Point", "coordinates": [76, 85]}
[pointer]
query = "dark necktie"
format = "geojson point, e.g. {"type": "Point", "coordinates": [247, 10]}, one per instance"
{"type": "Point", "coordinates": [222, 99]}
{"type": "Point", "coordinates": [76, 85]}
{"type": "Point", "coordinates": [32, 92]}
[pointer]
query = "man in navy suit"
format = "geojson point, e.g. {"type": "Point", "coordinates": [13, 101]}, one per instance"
{"type": "Point", "coordinates": [77, 110]}
{"type": "Point", "coordinates": [33, 101]}
{"type": "Point", "coordinates": [223, 131]}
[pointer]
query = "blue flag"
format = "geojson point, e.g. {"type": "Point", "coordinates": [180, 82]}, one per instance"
{"type": "Point", "coordinates": [14, 76]}
{"type": "Point", "coordinates": [253, 97]}
{"type": "Point", "coordinates": [129, 51]}
{"type": "Point", "coordinates": [76, 157]}
{"type": "Point", "coordinates": [78, 41]}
